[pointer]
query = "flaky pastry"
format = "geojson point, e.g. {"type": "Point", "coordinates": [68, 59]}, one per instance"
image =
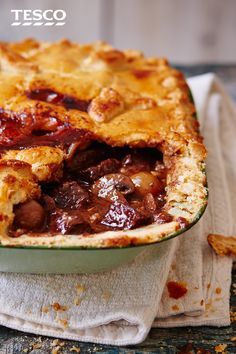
{"type": "Point", "coordinates": [99, 147]}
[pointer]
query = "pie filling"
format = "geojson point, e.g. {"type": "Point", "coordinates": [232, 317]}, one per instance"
{"type": "Point", "coordinates": [98, 189]}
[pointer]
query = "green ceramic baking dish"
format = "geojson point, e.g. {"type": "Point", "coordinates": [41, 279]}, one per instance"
{"type": "Point", "coordinates": [101, 157]}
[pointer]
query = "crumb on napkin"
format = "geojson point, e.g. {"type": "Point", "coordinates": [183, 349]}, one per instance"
{"type": "Point", "coordinates": [57, 307]}
{"type": "Point", "coordinates": [220, 348]}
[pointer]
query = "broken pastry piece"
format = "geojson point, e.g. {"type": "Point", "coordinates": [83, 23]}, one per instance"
{"type": "Point", "coordinates": [223, 245]}
{"type": "Point", "coordinates": [108, 142]}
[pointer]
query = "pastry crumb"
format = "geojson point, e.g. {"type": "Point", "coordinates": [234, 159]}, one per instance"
{"type": "Point", "coordinates": [106, 295]}
{"type": "Point", "coordinates": [45, 309]}
{"type": "Point", "coordinates": [63, 322]}
{"type": "Point", "coordinates": [175, 308]}
{"type": "Point", "coordinates": [36, 346]}
{"type": "Point", "coordinates": [77, 301]}
{"type": "Point", "coordinates": [80, 288]}
{"type": "Point", "coordinates": [75, 349]}
{"type": "Point", "coordinates": [57, 307]}
{"type": "Point", "coordinates": [233, 316]}
{"type": "Point", "coordinates": [222, 245]}
{"type": "Point", "coordinates": [56, 350]}
{"type": "Point", "coordinates": [55, 342]}
{"type": "Point", "coordinates": [220, 348]}
{"type": "Point", "coordinates": [209, 306]}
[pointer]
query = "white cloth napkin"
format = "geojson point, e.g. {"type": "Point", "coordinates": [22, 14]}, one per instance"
{"type": "Point", "coordinates": [119, 307]}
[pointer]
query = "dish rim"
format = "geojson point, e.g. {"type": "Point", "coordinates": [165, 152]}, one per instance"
{"type": "Point", "coordinates": [79, 248]}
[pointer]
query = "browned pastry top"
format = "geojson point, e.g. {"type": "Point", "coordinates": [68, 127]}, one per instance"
{"type": "Point", "coordinates": [56, 97]}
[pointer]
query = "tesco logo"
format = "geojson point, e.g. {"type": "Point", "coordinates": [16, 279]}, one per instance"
{"type": "Point", "coordinates": [38, 17]}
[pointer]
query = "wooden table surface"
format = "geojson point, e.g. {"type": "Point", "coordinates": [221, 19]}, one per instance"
{"type": "Point", "coordinates": [195, 340]}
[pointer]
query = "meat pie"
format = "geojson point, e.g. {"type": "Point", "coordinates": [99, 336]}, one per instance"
{"type": "Point", "coordinates": [98, 147]}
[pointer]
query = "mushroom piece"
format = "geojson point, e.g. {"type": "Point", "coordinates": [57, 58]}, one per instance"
{"type": "Point", "coordinates": [113, 187]}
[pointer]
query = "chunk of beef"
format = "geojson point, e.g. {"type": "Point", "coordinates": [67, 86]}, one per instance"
{"type": "Point", "coordinates": [65, 222]}
{"type": "Point", "coordinates": [121, 217]}
{"type": "Point", "coordinates": [70, 195]}
{"type": "Point", "coordinates": [104, 167]}
{"type": "Point", "coordinates": [83, 159]}
{"type": "Point", "coordinates": [48, 203]}
{"type": "Point", "coordinates": [134, 163]}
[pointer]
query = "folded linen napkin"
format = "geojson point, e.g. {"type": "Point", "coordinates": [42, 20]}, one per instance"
{"type": "Point", "coordinates": [119, 307]}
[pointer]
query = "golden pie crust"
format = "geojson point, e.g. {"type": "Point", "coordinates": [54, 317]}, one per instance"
{"type": "Point", "coordinates": [133, 101]}
{"type": "Point", "coordinates": [222, 245]}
